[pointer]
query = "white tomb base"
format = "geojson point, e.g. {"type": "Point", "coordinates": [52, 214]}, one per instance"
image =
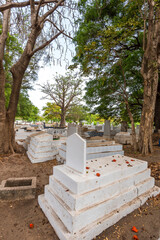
{"type": "Point", "coordinates": [41, 148]}
{"type": "Point", "coordinates": [81, 206]}
{"type": "Point", "coordinates": [111, 148]}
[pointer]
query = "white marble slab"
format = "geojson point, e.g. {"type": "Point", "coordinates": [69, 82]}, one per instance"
{"type": "Point", "coordinates": [76, 153]}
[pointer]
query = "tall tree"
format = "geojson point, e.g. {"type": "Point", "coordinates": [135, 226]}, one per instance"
{"type": "Point", "coordinates": [149, 70]}
{"type": "Point", "coordinates": [109, 52]}
{"type": "Point", "coordinates": [39, 24]}
{"type": "Point", "coordinates": [64, 93]}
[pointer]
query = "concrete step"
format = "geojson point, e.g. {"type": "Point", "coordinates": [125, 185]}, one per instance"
{"type": "Point", "coordinates": [96, 227]}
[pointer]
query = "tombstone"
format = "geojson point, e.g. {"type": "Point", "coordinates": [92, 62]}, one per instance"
{"type": "Point", "coordinates": [107, 128]}
{"type": "Point", "coordinates": [81, 206]}
{"type": "Point", "coordinates": [137, 129]}
{"type": "Point", "coordinates": [76, 153]}
{"type": "Point", "coordinates": [72, 128]}
{"type": "Point", "coordinates": [98, 128]}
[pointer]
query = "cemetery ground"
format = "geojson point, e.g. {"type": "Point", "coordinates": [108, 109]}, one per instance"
{"type": "Point", "coordinates": [15, 216]}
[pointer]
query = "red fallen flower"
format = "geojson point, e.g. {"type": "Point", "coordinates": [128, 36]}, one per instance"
{"type": "Point", "coordinates": [135, 237]}
{"type": "Point", "coordinates": [132, 160]}
{"type": "Point", "coordinates": [114, 160]}
{"type": "Point", "coordinates": [127, 162]}
{"type": "Point", "coordinates": [98, 174]}
{"type": "Point", "coordinates": [87, 167]}
{"type": "Point", "coordinates": [31, 225]}
{"type": "Point", "coordinates": [134, 229]}
{"type": "Point", "coordinates": [93, 170]}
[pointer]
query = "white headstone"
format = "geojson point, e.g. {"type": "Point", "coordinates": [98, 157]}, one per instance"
{"type": "Point", "coordinates": [76, 153]}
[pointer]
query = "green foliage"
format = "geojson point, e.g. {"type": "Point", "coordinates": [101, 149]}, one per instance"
{"type": "Point", "coordinates": [76, 113]}
{"type": "Point", "coordinates": [51, 112]}
{"type": "Point", "coordinates": [25, 109]}
{"type": "Point", "coordinates": [109, 47]}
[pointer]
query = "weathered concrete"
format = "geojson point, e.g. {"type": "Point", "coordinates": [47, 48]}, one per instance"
{"type": "Point", "coordinates": [41, 148]}
{"type": "Point", "coordinates": [18, 188]}
{"type": "Point", "coordinates": [76, 203]}
{"type": "Point", "coordinates": [99, 149]}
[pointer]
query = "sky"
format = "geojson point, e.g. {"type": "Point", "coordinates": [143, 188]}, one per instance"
{"type": "Point", "coordinates": [45, 74]}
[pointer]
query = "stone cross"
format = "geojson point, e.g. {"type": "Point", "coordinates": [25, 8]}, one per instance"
{"type": "Point", "coordinates": [76, 153]}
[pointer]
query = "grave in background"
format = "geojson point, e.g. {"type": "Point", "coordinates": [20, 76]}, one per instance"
{"type": "Point", "coordinates": [72, 128]}
{"type": "Point", "coordinates": [95, 149]}
{"type": "Point", "coordinates": [81, 204]}
{"type": "Point", "coordinates": [41, 148]}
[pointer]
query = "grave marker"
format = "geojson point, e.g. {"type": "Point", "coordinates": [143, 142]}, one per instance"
{"type": "Point", "coordinates": [76, 153]}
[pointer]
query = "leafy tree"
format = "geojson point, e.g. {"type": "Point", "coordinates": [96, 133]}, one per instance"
{"type": "Point", "coordinates": [64, 92]}
{"type": "Point", "coordinates": [76, 113]}
{"type": "Point", "coordinates": [112, 52]}
{"type": "Point", "coordinates": [37, 24]}
{"type": "Point", "coordinates": [25, 109]}
{"type": "Point", "coordinates": [51, 112]}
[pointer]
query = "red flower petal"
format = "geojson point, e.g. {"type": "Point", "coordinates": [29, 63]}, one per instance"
{"type": "Point", "coordinates": [87, 167]}
{"type": "Point", "coordinates": [134, 229]}
{"type": "Point", "coordinates": [114, 160]}
{"type": "Point", "coordinates": [127, 162]}
{"type": "Point", "coordinates": [98, 174]}
{"type": "Point", "coordinates": [132, 160]}
{"type": "Point", "coordinates": [135, 237]}
{"type": "Point", "coordinates": [31, 225]}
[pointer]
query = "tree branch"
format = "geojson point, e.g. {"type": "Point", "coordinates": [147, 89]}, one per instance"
{"type": "Point", "coordinates": [23, 4]}
{"type": "Point", "coordinates": [44, 44]}
{"type": "Point", "coordinates": [51, 10]}
{"type": "Point", "coordinates": [48, 20]}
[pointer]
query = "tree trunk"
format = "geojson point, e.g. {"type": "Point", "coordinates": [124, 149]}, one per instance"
{"type": "Point", "coordinates": [157, 110]}
{"type": "Point", "coordinates": [149, 71]}
{"type": "Point", "coordinates": [134, 140]}
{"type": "Point", "coordinates": [7, 117]}
{"type": "Point", "coordinates": [62, 122]}
{"type": "Point", "coordinates": [124, 126]}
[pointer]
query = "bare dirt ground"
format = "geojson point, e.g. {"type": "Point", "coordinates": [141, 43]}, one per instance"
{"type": "Point", "coordinates": [16, 216]}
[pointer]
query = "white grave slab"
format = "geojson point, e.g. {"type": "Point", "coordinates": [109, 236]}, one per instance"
{"type": "Point", "coordinates": [76, 153]}
{"type": "Point", "coordinates": [81, 206]}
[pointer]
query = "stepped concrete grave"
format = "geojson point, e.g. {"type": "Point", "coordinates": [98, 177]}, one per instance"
{"type": "Point", "coordinates": [95, 149]}
{"type": "Point", "coordinates": [18, 188]}
{"type": "Point", "coordinates": [81, 206]}
{"type": "Point", "coordinates": [41, 148]}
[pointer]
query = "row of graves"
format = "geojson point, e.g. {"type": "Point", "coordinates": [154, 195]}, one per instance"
{"type": "Point", "coordinates": [95, 186]}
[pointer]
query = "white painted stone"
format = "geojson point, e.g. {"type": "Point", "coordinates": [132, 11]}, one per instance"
{"type": "Point", "coordinates": [95, 228]}
{"type": "Point", "coordinates": [41, 148]}
{"type": "Point", "coordinates": [76, 153]}
{"type": "Point", "coordinates": [81, 206]}
{"type": "Point", "coordinates": [99, 194]}
{"type": "Point", "coordinates": [96, 152]}
{"type": "Point", "coordinates": [110, 172]}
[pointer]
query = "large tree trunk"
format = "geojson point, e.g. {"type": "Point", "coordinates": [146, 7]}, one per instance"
{"type": "Point", "coordinates": [62, 122]}
{"type": "Point", "coordinates": [149, 72]}
{"type": "Point", "coordinates": [7, 117]}
{"type": "Point", "coordinates": [157, 110]}
{"type": "Point", "coordinates": [134, 140]}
